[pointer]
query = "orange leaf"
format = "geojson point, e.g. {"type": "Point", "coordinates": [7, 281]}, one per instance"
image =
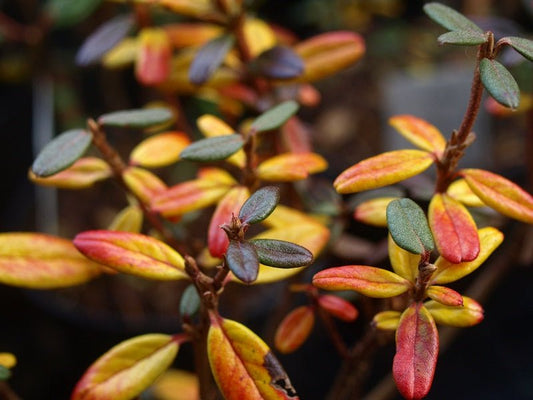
{"type": "Point", "coordinates": [453, 228]}
{"type": "Point", "coordinates": [501, 194]}
{"type": "Point", "coordinates": [444, 296]}
{"type": "Point", "coordinates": [39, 261]}
{"type": "Point", "coordinates": [460, 191]}
{"type": "Point", "coordinates": [152, 66]}
{"type": "Point", "coordinates": [403, 262]}
{"type": "Point", "coordinates": [175, 384]}
{"type": "Point", "coordinates": [192, 8]}
{"type": "Point", "coordinates": [338, 307]}
{"type": "Point", "coordinates": [242, 364]}
{"type": "Point", "coordinates": [328, 53]}
{"type": "Point", "coordinates": [370, 281]}
{"type": "Point", "coordinates": [387, 320]}
{"type": "Point", "coordinates": [144, 184]}
{"type": "Point", "coordinates": [212, 126]}
{"type": "Point", "coordinates": [191, 34]}
{"type": "Point", "coordinates": [417, 349]}
{"type": "Point", "coordinates": [294, 329]}
{"type": "Point", "coordinates": [291, 167]}
{"type": "Point", "coordinates": [159, 150]}
{"type": "Point", "coordinates": [469, 314]}
{"type": "Point", "coordinates": [419, 132]}
{"type": "Point", "coordinates": [489, 239]}
{"type": "Point", "coordinates": [132, 253]}
{"type": "Point", "coordinates": [382, 170]}
{"type": "Point", "coordinates": [80, 175]}
{"type": "Point", "coordinates": [217, 239]}
{"type": "Point", "coordinates": [374, 211]}
{"type": "Point", "coordinates": [127, 369]}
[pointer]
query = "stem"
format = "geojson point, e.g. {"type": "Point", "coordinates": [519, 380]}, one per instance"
{"type": "Point", "coordinates": [333, 333]}
{"type": "Point", "coordinates": [6, 393]}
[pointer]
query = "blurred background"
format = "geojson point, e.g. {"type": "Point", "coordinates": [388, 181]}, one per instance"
{"type": "Point", "coordinates": [56, 335]}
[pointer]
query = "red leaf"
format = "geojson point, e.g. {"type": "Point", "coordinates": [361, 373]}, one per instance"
{"type": "Point", "coordinates": [294, 329]}
{"type": "Point", "coordinates": [454, 229]}
{"type": "Point", "coordinates": [417, 348]}
{"type": "Point", "coordinates": [153, 61]}
{"type": "Point", "coordinates": [338, 307]}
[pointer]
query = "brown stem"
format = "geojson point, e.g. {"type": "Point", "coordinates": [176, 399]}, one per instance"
{"type": "Point", "coordinates": [6, 393]}
{"type": "Point", "coordinates": [249, 178]}
{"type": "Point", "coordinates": [333, 333]}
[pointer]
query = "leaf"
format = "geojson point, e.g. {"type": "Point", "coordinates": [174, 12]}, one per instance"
{"type": "Point", "coordinates": [189, 302]}
{"type": "Point", "coordinates": [61, 152]}
{"type": "Point", "coordinates": [127, 369]}
{"type": "Point", "coordinates": [231, 203]}
{"type": "Point", "coordinates": [122, 55]}
{"type": "Point", "coordinates": [259, 205]}
{"type": "Point", "coordinates": [186, 34]}
{"type": "Point", "coordinates": [188, 196]}
{"type": "Point", "coordinates": [275, 117]}
{"type": "Point", "coordinates": [501, 194]}
{"type": "Point", "coordinates": [242, 364]}
{"type": "Point", "coordinates": [213, 148]}
{"type": "Point", "coordinates": [523, 46]}
{"type": "Point", "coordinates": [444, 295]}
{"type": "Point", "coordinates": [279, 62]}
{"type": "Point", "coordinates": [176, 384]}
{"type": "Point", "coordinates": [281, 254]}
{"type": "Point", "coordinates": [39, 261]}
{"type": "Point", "coordinates": [159, 150]}
{"type": "Point", "coordinates": [469, 314]}
{"type": "Point", "coordinates": [132, 253]}
{"type": "Point", "coordinates": [374, 211]}
{"type": "Point", "coordinates": [67, 13]}
{"type": "Point", "coordinates": [285, 217]}
{"type": "Point", "coordinates": [409, 227]}
{"type": "Point", "coordinates": [144, 184]}
{"type": "Point", "coordinates": [258, 35]}
{"type": "Point", "coordinates": [209, 58]}
{"type": "Point", "coordinates": [454, 229]}
{"type": "Point", "coordinates": [449, 18]}
{"type": "Point", "coordinates": [460, 191]}
{"type": "Point", "coordinates": [499, 83]}
{"type": "Point", "coordinates": [152, 65]}
{"type": "Point", "coordinates": [338, 307]}
{"type": "Point", "coordinates": [294, 329]}
{"type": "Point", "coordinates": [489, 239]}
{"type": "Point", "coordinates": [387, 320]}
{"type": "Point", "coordinates": [137, 118]}
{"type": "Point", "coordinates": [289, 167]}
{"type": "Point", "coordinates": [419, 132]}
{"type": "Point", "coordinates": [82, 174]}
{"type": "Point", "coordinates": [242, 260]}
{"type": "Point", "coordinates": [382, 170]}
{"type": "Point", "coordinates": [192, 8]}
{"type": "Point", "coordinates": [103, 39]}
{"type": "Point", "coordinates": [130, 219]}
{"type": "Point", "coordinates": [328, 53]}
{"type": "Point", "coordinates": [403, 262]}
{"type": "Point", "coordinates": [5, 373]}
{"type": "Point", "coordinates": [370, 281]}
{"type": "Point", "coordinates": [212, 126]}
{"type": "Point", "coordinates": [8, 360]}
{"type": "Point", "coordinates": [417, 349]}
{"type": "Point", "coordinates": [463, 38]}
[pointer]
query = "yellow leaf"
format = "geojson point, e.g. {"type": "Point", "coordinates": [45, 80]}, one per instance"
{"type": "Point", "coordinates": [258, 35]}
{"type": "Point", "coordinates": [469, 314]}
{"type": "Point", "coordinates": [419, 132]}
{"type": "Point", "coordinates": [159, 150]}
{"type": "Point", "coordinates": [39, 261]}
{"type": "Point", "coordinates": [191, 34]}
{"type": "Point", "coordinates": [291, 167]}
{"type": "Point", "coordinates": [387, 320]}
{"type": "Point", "coordinates": [242, 364]}
{"type": "Point", "coordinates": [80, 175]}
{"type": "Point", "coordinates": [191, 8]}
{"type": "Point", "coordinates": [212, 126]}
{"type": "Point", "coordinates": [460, 191]}
{"type": "Point", "coordinates": [382, 170]}
{"type": "Point", "coordinates": [489, 239]}
{"type": "Point", "coordinates": [176, 384]}
{"type": "Point", "coordinates": [403, 262]}
{"type": "Point", "coordinates": [374, 211]}
{"type": "Point", "coordinates": [127, 369]}
{"type": "Point", "coordinates": [217, 175]}
{"type": "Point", "coordinates": [122, 55]}
{"type": "Point", "coordinates": [143, 183]}
{"type": "Point", "coordinates": [284, 216]}
{"type": "Point", "coordinates": [8, 360]}
{"type": "Point", "coordinates": [130, 219]}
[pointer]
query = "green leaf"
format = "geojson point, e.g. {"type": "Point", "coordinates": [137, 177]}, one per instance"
{"type": "Point", "coordinates": [242, 260]}
{"type": "Point", "coordinates": [464, 38]}
{"type": "Point", "coordinates": [449, 18]}
{"type": "Point", "coordinates": [103, 39]}
{"type": "Point", "coordinates": [213, 148]}
{"type": "Point", "coordinates": [281, 254]}
{"type": "Point", "coordinates": [189, 302]}
{"type": "Point", "coordinates": [278, 62]}
{"type": "Point", "coordinates": [499, 83]}
{"type": "Point", "coordinates": [137, 118]}
{"type": "Point", "coordinates": [61, 152]}
{"type": "Point", "coordinates": [275, 117]}
{"type": "Point", "coordinates": [523, 46]}
{"type": "Point", "coordinates": [209, 58]}
{"type": "Point", "coordinates": [409, 227]}
{"type": "Point", "coordinates": [259, 205]}
{"type": "Point", "coordinates": [5, 373]}
{"type": "Point", "coordinates": [65, 13]}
